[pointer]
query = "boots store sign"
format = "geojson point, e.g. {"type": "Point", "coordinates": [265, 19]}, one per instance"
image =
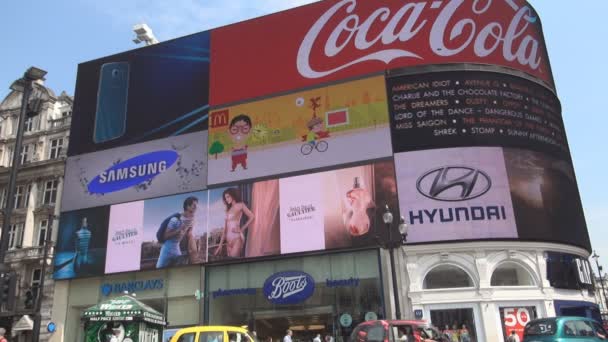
{"type": "Point", "coordinates": [335, 39]}
{"type": "Point", "coordinates": [290, 287]}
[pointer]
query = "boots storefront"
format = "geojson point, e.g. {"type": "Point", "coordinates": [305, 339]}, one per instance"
{"type": "Point", "coordinates": [326, 294]}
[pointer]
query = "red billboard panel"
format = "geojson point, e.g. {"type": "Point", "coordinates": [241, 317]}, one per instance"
{"type": "Point", "coordinates": [337, 39]}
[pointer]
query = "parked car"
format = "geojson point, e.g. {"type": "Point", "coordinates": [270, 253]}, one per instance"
{"type": "Point", "coordinates": [564, 329]}
{"type": "Point", "coordinates": [219, 333]}
{"type": "Point", "coordinates": [396, 331]}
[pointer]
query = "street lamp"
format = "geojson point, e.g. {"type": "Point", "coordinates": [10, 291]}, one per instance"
{"type": "Point", "coordinates": [25, 85]}
{"type": "Point", "coordinates": [599, 271]}
{"type": "Point", "coordinates": [48, 243]}
{"type": "Point", "coordinates": [391, 244]}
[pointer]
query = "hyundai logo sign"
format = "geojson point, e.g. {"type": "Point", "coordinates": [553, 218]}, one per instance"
{"type": "Point", "coordinates": [290, 287]}
{"type": "Point", "coordinates": [454, 183]}
{"type": "Point", "coordinates": [132, 172]}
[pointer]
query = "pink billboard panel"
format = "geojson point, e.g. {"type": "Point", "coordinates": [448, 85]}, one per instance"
{"type": "Point", "coordinates": [125, 235]}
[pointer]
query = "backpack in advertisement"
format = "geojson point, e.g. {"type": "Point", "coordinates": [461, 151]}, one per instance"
{"type": "Point", "coordinates": [160, 233]}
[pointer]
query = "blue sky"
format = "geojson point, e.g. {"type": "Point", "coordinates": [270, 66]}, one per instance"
{"type": "Point", "coordinates": [57, 35]}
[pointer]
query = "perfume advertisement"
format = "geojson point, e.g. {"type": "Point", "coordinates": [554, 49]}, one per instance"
{"type": "Point", "coordinates": [322, 127]}
{"type": "Point", "coordinates": [142, 95]}
{"type": "Point", "coordinates": [125, 236]}
{"type": "Point", "coordinates": [336, 209]}
{"type": "Point", "coordinates": [152, 169]}
{"type": "Point", "coordinates": [244, 221]}
{"type": "Point", "coordinates": [81, 243]}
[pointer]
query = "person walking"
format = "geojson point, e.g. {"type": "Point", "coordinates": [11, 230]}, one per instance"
{"type": "Point", "coordinates": [287, 337]}
{"type": "Point", "coordinates": [513, 337]}
{"type": "Point", "coordinates": [2, 333]}
{"type": "Point", "coordinates": [317, 338]}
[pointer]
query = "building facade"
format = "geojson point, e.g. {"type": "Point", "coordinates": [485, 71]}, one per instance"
{"type": "Point", "coordinates": [247, 182]}
{"type": "Point", "coordinates": [37, 196]}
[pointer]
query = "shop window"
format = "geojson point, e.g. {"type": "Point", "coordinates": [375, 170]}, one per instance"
{"type": "Point", "coordinates": [457, 324]}
{"type": "Point", "coordinates": [375, 333]}
{"type": "Point", "coordinates": [186, 338]}
{"type": "Point", "coordinates": [510, 274]}
{"type": "Point", "coordinates": [447, 277]}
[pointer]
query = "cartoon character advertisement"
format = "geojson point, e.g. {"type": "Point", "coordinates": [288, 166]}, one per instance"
{"type": "Point", "coordinates": [311, 129]}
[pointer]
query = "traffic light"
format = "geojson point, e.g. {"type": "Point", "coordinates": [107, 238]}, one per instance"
{"type": "Point", "coordinates": [8, 282]}
{"type": "Point", "coordinates": [29, 299]}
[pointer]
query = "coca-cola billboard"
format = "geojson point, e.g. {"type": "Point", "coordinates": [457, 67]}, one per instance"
{"type": "Point", "coordinates": [337, 39]}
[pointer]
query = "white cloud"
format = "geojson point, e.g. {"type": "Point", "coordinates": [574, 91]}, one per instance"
{"type": "Point", "coordinates": [171, 19]}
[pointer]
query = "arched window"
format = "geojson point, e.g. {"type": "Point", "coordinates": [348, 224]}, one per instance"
{"type": "Point", "coordinates": [511, 274]}
{"type": "Point", "coordinates": [446, 277]}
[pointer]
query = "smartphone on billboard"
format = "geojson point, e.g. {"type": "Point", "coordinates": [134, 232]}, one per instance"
{"type": "Point", "coordinates": [112, 95]}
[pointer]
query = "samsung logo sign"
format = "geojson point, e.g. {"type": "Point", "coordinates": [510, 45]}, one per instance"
{"type": "Point", "coordinates": [132, 172]}
{"type": "Point", "coordinates": [289, 287]}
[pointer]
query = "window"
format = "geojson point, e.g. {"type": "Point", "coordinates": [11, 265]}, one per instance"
{"type": "Point", "coordinates": [28, 192]}
{"type": "Point", "coordinates": [584, 328]}
{"type": "Point", "coordinates": [64, 114]}
{"type": "Point", "coordinates": [445, 277]}
{"type": "Point", "coordinates": [186, 338]}
{"type": "Point", "coordinates": [55, 149]}
{"type": "Point", "coordinates": [2, 198]}
{"type": "Point", "coordinates": [36, 277]}
{"type": "Point", "coordinates": [570, 329]}
{"type": "Point", "coordinates": [235, 337]}
{"type": "Point", "coordinates": [42, 229]}
{"type": "Point", "coordinates": [211, 336]}
{"type": "Point", "coordinates": [15, 235]}
{"type": "Point", "coordinates": [599, 330]}
{"type": "Point", "coordinates": [50, 191]}
{"type": "Point", "coordinates": [510, 274]}
{"type": "Point", "coordinates": [19, 196]}
{"type": "Point", "coordinates": [27, 153]}
{"type": "Point", "coordinates": [28, 126]}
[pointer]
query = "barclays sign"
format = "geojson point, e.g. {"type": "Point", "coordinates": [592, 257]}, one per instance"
{"type": "Point", "coordinates": [290, 287]}
{"type": "Point", "coordinates": [132, 286]}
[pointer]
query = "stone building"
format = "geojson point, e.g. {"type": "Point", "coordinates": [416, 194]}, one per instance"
{"type": "Point", "coordinates": [37, 196]}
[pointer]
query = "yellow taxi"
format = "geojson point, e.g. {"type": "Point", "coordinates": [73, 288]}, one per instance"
{"type": "Point", "coordinates": [211, 333]}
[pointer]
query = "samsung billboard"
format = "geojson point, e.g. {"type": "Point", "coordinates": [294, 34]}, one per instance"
{"type": "Point", "coordinates": [146, 170]}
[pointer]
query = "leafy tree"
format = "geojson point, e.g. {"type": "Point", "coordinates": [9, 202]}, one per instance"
{"type": "Point", "coordinates": [216, 148]}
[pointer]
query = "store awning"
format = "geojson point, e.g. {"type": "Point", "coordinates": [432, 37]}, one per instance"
{"type": "Point", "coordinates": [24, 323]}
{"type": "Point", "coordinates": [123, 308]}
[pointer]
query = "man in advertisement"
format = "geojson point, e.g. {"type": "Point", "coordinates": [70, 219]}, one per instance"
{"type": "Point", "coordinates": [173, 230]}
{"type": "Point", "coordinates": [239, 130]}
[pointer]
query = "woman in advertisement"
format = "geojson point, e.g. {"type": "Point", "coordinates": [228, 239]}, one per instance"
{"type": "Point", "coordinates": [233, 232]}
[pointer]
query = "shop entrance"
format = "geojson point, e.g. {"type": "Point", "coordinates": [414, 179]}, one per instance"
{"type": "Point", "coordinates": [305, 323]}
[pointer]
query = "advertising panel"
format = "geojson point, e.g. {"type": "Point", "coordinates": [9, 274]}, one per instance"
{"type": "Point", "coordinates": [489, 193]}
{"type": "Point", "coordinates": [145, 94]}
{"type": "Point", "coordinates": [329, 210]}
{"type": "Point", "coordinates": [474, 108]}
{"type": "Point", "coordinates": [337, 39]}
{"type": "Point", "coordinates": [455, 194]}
{"type": "Point", "coordinates": [316, 128]}
{"type": "Point", "coordinates": [146, 170]}
{"type": "Point", "coordinates": [514, 320]}
{"type": "Point", "coordinates": [81, 243]}
{"type": "Point", "coordinates": [336, 209]}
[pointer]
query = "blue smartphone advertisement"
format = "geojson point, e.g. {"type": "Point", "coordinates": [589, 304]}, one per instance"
{"type": "Point", "coordinates": [146, 94]}
{"type": "Point", "coordinates": [112, 98]}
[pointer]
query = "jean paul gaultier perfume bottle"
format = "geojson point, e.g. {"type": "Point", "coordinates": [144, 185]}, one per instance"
{"type": "Point", "coordinates": [358, 200]}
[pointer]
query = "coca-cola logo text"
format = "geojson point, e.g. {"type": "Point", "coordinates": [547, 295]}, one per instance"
{"type": "Point", "coordinates": [385, 35]}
